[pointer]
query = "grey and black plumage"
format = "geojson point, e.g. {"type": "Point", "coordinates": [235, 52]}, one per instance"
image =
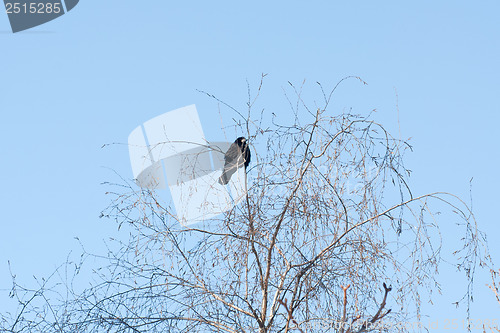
{"type": "Point", "coordinates": [237, 156]}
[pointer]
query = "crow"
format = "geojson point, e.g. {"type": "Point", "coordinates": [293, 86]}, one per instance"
{"type": "Point", "coordinates": [237, 155]}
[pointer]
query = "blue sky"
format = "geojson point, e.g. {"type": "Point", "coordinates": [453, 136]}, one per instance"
{"type": "Point", "coordinates": [91, 76]}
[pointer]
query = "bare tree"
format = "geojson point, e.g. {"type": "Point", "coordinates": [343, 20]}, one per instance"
{"type": "Point", "coordinates": [329, 219]}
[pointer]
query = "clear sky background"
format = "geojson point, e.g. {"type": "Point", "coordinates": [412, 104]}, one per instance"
{"type": "Point", "coordinates": [91, 76]}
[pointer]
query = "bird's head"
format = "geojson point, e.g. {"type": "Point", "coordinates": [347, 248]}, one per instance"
{"type": "Point", "coordinates": [241, 141]}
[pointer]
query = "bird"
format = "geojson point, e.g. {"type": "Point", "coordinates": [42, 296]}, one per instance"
{"type": "Point", "coordinates": [237, 155]}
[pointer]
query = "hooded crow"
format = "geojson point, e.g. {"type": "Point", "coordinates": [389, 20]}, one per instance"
{"type": "Point", "coordinates": [237, 155]}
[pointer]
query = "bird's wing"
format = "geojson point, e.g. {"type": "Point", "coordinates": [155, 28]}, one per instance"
{"type": "Point", "coordinates": [232, 153]}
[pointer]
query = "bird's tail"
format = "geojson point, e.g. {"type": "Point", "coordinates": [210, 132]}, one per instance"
{"type": "Point", "coordinates": [223, 179]}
